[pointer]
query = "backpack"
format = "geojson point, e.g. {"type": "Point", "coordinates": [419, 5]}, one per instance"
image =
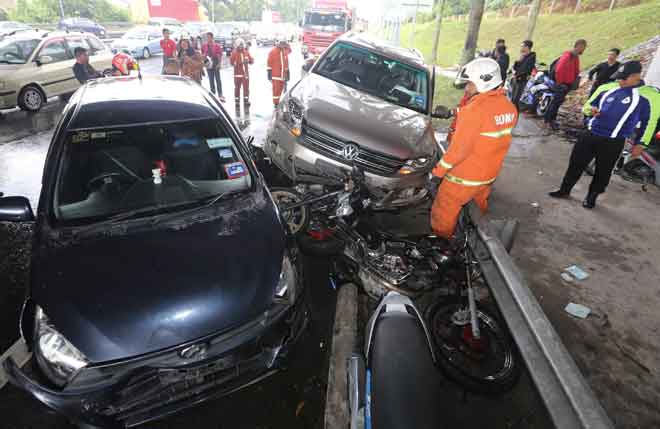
{"type": "Point", "coordinates": [553, 68]}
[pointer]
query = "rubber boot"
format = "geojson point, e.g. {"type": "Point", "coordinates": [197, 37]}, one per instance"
{"type": "Point", "coordinates": [590, 201]}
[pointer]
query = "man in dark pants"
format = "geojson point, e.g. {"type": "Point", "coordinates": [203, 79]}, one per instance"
{"type": "Point", "coordinates": [566, 73]}
{"type": "Point", "coordinates": [615, 115]}
{"type": "Point", "coordinates": [213, 53]}
{"type": "Point", "coordinates": [522, 70]}
{"type": "Point", "coordinates": [605, 70]}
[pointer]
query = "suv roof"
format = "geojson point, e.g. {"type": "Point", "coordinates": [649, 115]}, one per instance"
{"type": "Point", "coordinates": [409, 56]}
{"type": "Point", "coordinates": [132, 100]}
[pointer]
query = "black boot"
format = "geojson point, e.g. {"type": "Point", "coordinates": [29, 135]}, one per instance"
{"type": "Point", "coordinates": [590, 201]}
{"type": "Point", "coordinates": [560, 193]}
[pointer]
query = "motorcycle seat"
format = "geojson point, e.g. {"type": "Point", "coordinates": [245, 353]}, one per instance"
{"type": "Point", "coordinates": [406, 386]}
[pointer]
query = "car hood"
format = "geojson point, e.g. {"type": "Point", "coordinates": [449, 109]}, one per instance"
{"type": "Point", "coordinates": [123, 295]}
{"type": "Point", "coordinates": [375, 123]}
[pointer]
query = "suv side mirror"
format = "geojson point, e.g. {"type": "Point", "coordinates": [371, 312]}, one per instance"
{"type": "Point", "coordinates": [442, 112]}
{"type": "Point", "coordinates": [44, 59]}
{"type": "Point", "coordinates": [15, 209]}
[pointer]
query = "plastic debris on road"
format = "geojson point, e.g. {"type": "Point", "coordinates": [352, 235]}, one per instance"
{"type": "Point", "coordinates": [535, 204]}
{"type": "Point", "coordinates": [577, 310]}
{"type": "Point", "coordinates": [577, 272]}
{"type": "Point", "coordinates": [567, 277]}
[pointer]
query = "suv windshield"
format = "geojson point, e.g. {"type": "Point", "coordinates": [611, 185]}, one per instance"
{"type": "Point", "coordinates": [110, 172]}
{"type": "Point", "coordinates": [17, 51]}
{"type": "Point", "coordinates": [326, 21]}
{"type": "Point", "coordinates": [377, 75]}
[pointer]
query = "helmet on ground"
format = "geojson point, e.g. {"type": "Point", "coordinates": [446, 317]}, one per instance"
{"type": "Point", "coordinates": [483, 72]}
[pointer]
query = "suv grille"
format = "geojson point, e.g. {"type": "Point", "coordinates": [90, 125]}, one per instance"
{"type": "Point", "coordinates": [333, 147]}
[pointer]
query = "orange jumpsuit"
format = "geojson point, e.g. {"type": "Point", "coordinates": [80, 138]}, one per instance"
{"type": "Point", "coordinates": [452, 126]}
{"type": "Point", "coordinates": [278, 70]}
{"type": "Point", "coordinates": [240, 59]}
{"type": "Point", "coordinates": [474, 158]}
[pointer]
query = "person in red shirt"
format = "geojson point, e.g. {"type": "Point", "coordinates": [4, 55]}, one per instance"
{"type": "Point", "coordinates": [241, 59]}
{"type": "Point", "coordinates": [169, 48]}
{"type": "Point", "coordinates": [566, 76]}
{"type": "Point", "coordinates": [212, 52]}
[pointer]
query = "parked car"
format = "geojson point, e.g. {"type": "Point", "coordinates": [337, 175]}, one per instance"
{"type": "Point", "coordinates": [224, 34]}
{"type": "Point", "coordinates": [362, 103]}
{"type": "Point", "coordinates": [141, 42]}
{"type": "Point", "coordinates": [161, 274]}
{"type": "Point", "coordinates": [171, 24]}
{"type": "Point", "coordinates": [35, 66]}
{"type": "Point", "coordinates": [82, 24]}
{"type": "Point", "coordinates": [199, 28]}
{"type": "Point", "coordinates": [11, 27]}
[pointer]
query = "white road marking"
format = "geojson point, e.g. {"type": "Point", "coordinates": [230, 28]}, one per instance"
{"type": "Point", "coordinates": [19, 352]}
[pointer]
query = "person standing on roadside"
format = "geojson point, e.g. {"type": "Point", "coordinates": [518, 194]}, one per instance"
{"type": "Point", "coordinates": [241, 59]}
{"type": "Point", "coordinates": [82, 69]}
{"type": "Point", "coordinates": [212, 51]}
{"type": "Point", "coordinates": [278, 68]}
{"type": "Point", "coordinates": [476, 154]}
{"type": "Point", "coordinates": [605, 70]}
{"type": "Point", "coordinates": [615, 114]}
{"type": "Point", "coordinates": [169, 50]}
{"type": "Point", "coordinates": [191, 61]}
{"type": "Point", "coordinates": [502, 59]}
{"type": "Point", "coordinates": [566, 74]}
{"type": "Point", "coordinates": [522, 70]}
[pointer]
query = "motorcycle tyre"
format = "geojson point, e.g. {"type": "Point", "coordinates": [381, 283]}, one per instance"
{"type": "Point", "coordinates": [542, 107]}
{"type": "Point", "coordinates": [304, 209]}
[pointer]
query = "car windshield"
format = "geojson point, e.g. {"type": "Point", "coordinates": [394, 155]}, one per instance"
{"type": "Point", "coordinates": [17, 51]}
{"type": "Point", "coordinates": [105, 173]}
{"type": "Point", "coordinates": [326, 21]}
{"type": "Point", "coordinates": [377, 75]}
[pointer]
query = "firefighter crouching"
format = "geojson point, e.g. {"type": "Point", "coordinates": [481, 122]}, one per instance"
{"type": "Point", "coordinates": [241, 59]}
{"type": "Point", "coordinates": [479, 145]}
{"type": "Point", "coordinates": [278, 68]}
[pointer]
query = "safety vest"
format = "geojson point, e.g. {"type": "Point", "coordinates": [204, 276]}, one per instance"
{"type": "Point", "coordinates": [481, 140]}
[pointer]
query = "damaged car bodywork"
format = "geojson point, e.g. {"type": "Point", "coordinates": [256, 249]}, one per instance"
{"type": "Point", "coordinates": [364, 104]}
{"type": "Point", "coordinates": [161, 275]}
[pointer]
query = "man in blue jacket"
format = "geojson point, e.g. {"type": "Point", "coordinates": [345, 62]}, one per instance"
{"type": "Point", "coordinates": [616, 113]}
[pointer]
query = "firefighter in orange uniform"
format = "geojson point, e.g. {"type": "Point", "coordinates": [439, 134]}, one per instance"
{"type": "Point", "coordinates": [278, 68]}
{"type": "Point", "coordinates": [479, 145]}
{"type": "Point", "coordinates": [241, 59]}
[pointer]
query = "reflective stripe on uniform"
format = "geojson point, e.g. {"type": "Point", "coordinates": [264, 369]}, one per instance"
{"type": "Point", "coordinates": [278, 78]}
{"type": "Point", "coordinates": [238, 75]}
{"type": "Point", "coordinates": [445, 164]}
{"type": "Point", "coordinates": [465, 182]}
{"type": "Point", "coordinates": [498, 134]}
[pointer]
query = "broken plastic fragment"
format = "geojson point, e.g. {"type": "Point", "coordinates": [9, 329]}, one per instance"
{"type": "Point", "coordinates": [567, 277]}
{"type": "Point", "coordinates": [577, 272]}
{"type": "Point", "coordinates": [577, 310]}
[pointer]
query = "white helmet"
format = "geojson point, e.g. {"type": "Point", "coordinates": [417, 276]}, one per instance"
{"type": "Point", "coordinates": [483, 72]}
{"type": "Point", "coordinates": [240, 43]}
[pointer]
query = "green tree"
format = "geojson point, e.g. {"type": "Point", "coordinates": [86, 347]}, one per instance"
{"type": "Point", "coordinates": [291, 10]}
{"type": "Point", "coordinates": [236, 10]}
{"type": "Point", "coordinates": [49, 10]}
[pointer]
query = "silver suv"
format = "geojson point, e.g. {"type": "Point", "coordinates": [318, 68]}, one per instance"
{"type": "Point", "coordinates": [361, 104]}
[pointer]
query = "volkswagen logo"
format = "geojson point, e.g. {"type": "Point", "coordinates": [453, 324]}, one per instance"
{"type": "Point", "coordinates": [350, 152]}
{"type": "Point", "coordinates": [196, 351]}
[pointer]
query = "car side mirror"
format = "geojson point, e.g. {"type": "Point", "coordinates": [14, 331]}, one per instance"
{"type": "Point", "coordinates": [15, 209]}
{"type": "Point", "coordinates": [44, 59]}
{"type": "Point", "coordinates": [441, 112]}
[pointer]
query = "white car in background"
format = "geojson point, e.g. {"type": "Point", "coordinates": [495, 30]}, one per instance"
{"type": "Point", "coordinates": [35, 66]}
{"type": "Point", "coordinates": [140, 42]}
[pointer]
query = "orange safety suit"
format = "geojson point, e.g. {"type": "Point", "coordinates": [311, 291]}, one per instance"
{"type": "Point", "coordinates": [278, 70]}
{"type": "Point", "coordinates": [474, 158]}
{"type": "Point", "coordinates": [452, 126]}
{"type": "Point", "coordinates": [240, 59]}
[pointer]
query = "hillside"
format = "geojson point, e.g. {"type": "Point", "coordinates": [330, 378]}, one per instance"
{"type": "Point", "coordinates": [554, 34]}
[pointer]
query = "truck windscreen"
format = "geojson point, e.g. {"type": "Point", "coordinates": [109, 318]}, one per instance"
{"type": "Point", "coordinates": [326, 21]}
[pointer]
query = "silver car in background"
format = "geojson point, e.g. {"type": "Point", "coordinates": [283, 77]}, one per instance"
{"type": "Point", "coordinates": [364, 104]}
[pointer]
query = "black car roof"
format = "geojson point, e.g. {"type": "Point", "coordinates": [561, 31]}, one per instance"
{"type": "Point", "coordinates": [131, 100]}
{"type": "Point", "coordinates": [409, 56]}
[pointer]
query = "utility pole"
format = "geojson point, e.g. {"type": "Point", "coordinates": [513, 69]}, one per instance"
{"type": "Point", "coordinates": [417, 4]}
{"type": "Point", "coordinates": [61, 9]}
{"type": "Point", "coordinates": [212, 10]}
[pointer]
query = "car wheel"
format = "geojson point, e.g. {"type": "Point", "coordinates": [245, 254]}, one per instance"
{"type": "Point", "coordinates": [31, 99]}
{"type": "Point", "coordinates": [146, 54]}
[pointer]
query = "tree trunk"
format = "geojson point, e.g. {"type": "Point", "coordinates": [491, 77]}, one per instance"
{"type": "Point", "coordinates": [476, 13]}
{"type": "Point", "coordinates": [513, 11]}
{"type": "Point", "coordinates": [531, 18]}
{"type": "Point", "coordinates": [612, 5]}
{"type": "Point", "coordinates": [577, 6]}
{"type": "Point", "coordinates": [438, 24]}
{"type": "Point", "coordinates": [552, 7]}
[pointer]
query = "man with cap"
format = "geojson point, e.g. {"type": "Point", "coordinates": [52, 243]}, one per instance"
{"type": "Point", "coordinates": [478, 147]}
{"type": "Point", "coordinates": [615, 114]}
{"type": "Point", "coordinates": [241, 59]}
{"type": "Point", "coordinates": [278, 68]}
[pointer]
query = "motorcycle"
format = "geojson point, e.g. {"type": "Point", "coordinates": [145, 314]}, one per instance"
{"type": "Point", "coordinates": [538, 92]}
{"type": "Point", "coordinates": [472, 346]}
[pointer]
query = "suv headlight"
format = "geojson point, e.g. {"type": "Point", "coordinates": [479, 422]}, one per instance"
{"type": "Point", "coordinates": [285, 292]}
{"type": "Point", "coordinates": [415, 165]}
{"type": "Point", "coordinates": [56, 356]}
{"type": "Point", "coordinates": [292, 113]}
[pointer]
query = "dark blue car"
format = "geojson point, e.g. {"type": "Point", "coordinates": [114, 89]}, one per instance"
{"type": "Point", "coordinates": [161, 274]}
{"type": "Point", "coordinates": [82, 24]}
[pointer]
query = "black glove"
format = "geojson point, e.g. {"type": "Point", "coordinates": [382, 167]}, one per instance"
{"type": "Point", "coordinates": [270, 75]}
{"type": "Point", "coordinates": [442, 112]}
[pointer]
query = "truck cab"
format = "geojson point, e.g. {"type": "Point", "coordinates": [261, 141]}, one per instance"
{"type": "Point", "coordinates": [323, 24]}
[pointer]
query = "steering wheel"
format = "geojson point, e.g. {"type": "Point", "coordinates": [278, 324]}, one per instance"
{"type": "Point", "coordinates": [104, 178]}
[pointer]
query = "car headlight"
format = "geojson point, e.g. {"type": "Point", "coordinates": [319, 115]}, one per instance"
{"type": "Point", "coordinates": [285, 292]}
{"type": "Point", "coordinates": [292, 113]}
{"type": "Point", "coordinates": [56, 356]}
{"type": "Point", "coordinates": [415, 165]}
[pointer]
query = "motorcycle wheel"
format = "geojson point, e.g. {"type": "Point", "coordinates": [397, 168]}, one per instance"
{"type": "Point", "coordinates": [542, 106]}
{"type": "Point", "coordinates": [298, 218]}
{"type": "Point", "coordinates": [638, 172]}
{"type": "Point", "coordinates": [490, 365]}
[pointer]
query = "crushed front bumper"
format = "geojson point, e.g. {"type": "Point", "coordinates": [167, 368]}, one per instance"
{"type": "Point", "coordinates": [139, 390]}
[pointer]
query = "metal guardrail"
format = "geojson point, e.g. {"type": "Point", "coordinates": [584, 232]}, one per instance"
{"type": "Point", "coordinates": [569, 400]}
